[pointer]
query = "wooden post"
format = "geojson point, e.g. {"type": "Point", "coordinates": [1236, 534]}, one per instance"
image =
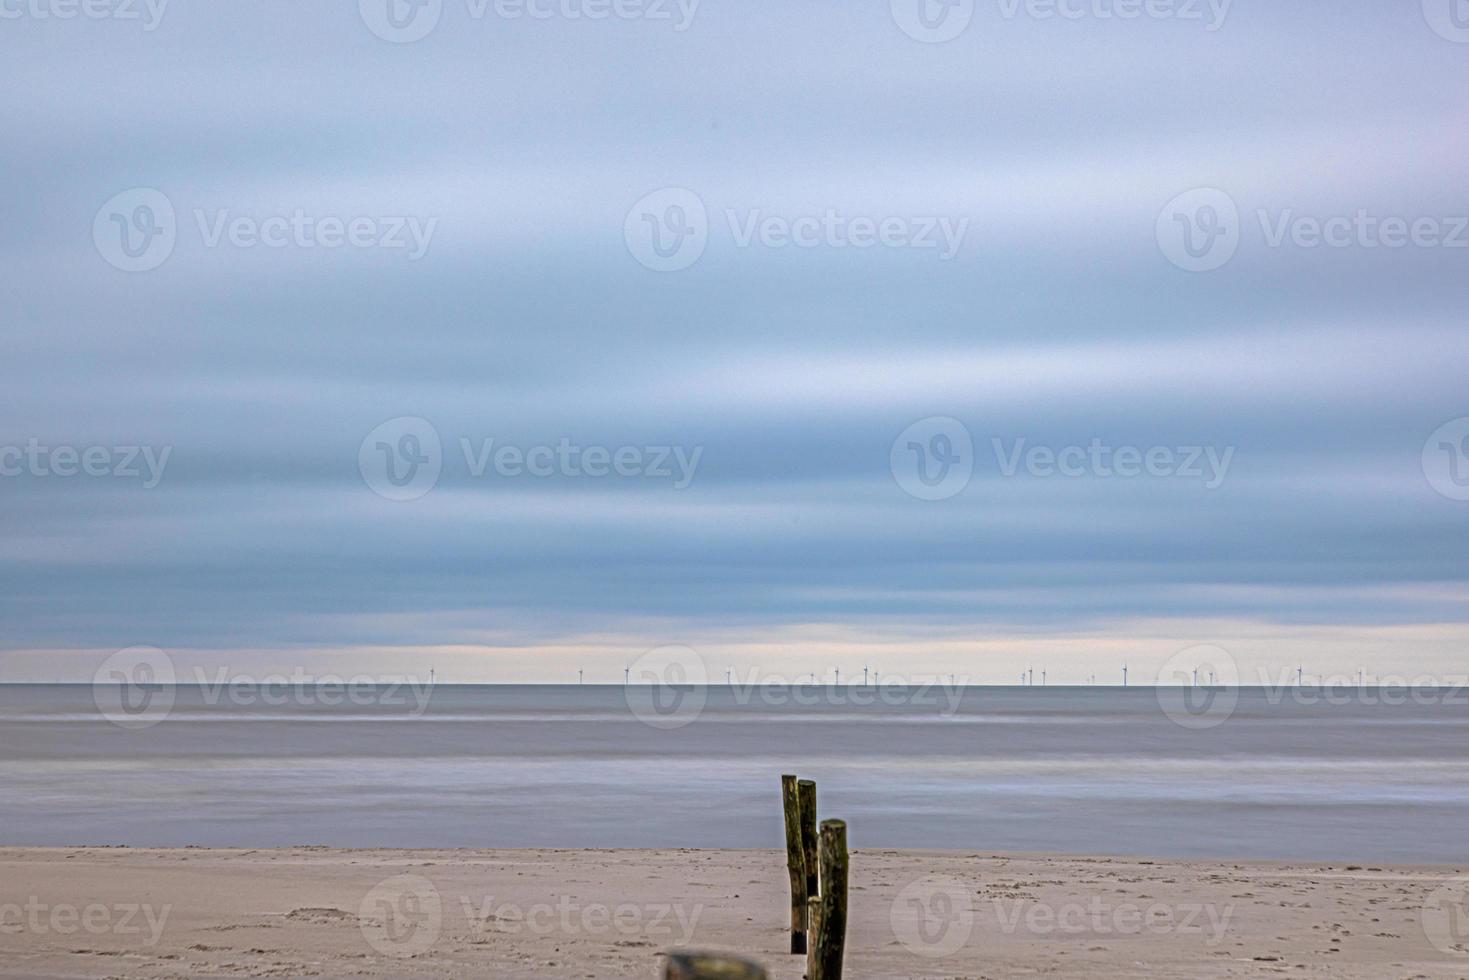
{"type": "Point", "coordinates": [795, 862]}
{"type": "Point", "coordinates": [806, 790]}
{"type": "Point", "coordinates": [833, 938]}
{"type": "Point", "coordinates": [813, 936]}
{"type": "Point", "coordinates": [684, 965]}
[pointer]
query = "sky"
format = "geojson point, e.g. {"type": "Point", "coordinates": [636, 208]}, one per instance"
{"type": "Point", "coordinates": [519, 337]}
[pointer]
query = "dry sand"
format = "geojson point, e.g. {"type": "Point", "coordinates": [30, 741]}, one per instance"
{"type": "Point", "coordinates": [316, 912]}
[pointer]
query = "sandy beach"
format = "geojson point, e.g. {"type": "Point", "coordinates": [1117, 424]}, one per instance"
{"type": "Point", "coordinates": [297, 912]}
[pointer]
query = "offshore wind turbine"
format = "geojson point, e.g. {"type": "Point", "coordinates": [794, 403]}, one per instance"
{"type": "Point", "coordinates": [1124, 675]}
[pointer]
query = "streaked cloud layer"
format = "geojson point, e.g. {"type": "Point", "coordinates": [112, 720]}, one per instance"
{"type": "Point", "coordinates": [528, 321]}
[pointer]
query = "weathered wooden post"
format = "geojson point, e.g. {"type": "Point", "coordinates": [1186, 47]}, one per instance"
{"type": "Point", "coordinates": [813, 936]}
{"type": "Point", "coordinates": [833, 938]}
{"type": "Point", "coordinates": [795, 862]}
{"type": "Point", "coordinates": [806, 790]}
{"type": "Point", "coordinates": [685, 965]}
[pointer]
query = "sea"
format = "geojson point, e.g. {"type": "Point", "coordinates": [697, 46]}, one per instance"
{"type": "Point", "coordinates": [1360, 775]}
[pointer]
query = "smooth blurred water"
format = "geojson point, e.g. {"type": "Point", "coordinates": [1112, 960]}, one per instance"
{"type": "Point", "coordinates": [1082, 770]}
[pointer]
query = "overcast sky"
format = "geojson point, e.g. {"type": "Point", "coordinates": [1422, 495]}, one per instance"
{"type": "Point", "coordinates": [246, 238]}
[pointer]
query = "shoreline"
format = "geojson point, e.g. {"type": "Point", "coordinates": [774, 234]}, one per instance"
{"type": "Point", "coordinates": [172, 913]}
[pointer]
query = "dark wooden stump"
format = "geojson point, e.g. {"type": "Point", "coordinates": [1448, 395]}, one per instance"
{"type": "Point", "coordinates": [833, 938]}
{"type": "Point", "coordinates": [806, 791]}
{"type": "Point", "coordinates": [795, 862]}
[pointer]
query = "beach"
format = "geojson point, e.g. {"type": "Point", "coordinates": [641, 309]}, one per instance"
{"type": "Point", "coordinates": [165, 914]}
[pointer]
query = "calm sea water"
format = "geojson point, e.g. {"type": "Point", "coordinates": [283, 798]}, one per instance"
{"type": "Point", "coordinates": [1083, 770]}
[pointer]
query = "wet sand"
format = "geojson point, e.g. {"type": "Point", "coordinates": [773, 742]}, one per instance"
{"type": "Point", "coordinates": [315, 912]}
